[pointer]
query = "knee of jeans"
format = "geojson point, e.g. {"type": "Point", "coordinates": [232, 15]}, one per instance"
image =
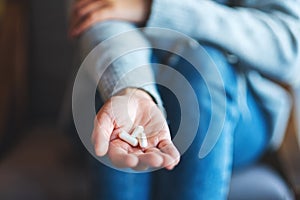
{"type": "Point", "coordinates": [226, 70]}
{"type": "Point", "coordinates": [212, 73]}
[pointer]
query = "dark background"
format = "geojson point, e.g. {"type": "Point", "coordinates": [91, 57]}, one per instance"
{"type": "Point", "coordinates": [41, 156]}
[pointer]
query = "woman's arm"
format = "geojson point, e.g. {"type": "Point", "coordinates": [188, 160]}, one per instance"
{"type": "Point", "coordinates": [265, 35]}
{"type": "Point", "coordinates": [124, 106]}
{"type": "Point", "coordinates": [91, 21]}
{"type": "Point", "coordinates": [122, 42]}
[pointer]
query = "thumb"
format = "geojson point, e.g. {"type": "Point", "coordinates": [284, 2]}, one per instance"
{"type": "Point", "coordinates": [103, 128]}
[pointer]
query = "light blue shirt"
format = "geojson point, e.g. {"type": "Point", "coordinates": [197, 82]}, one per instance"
{"type": "Point", "coordinates": [263, 35]}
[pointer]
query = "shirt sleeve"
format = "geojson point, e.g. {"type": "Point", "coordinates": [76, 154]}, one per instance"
{"type": "Point", "coordinates": [125, 47]}
{"type": "Point", "coordinates": [264, 35]}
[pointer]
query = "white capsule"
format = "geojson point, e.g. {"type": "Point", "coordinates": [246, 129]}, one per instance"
{"type": "Point", "coordinates": [128, 138]}
{"type": "Point", "coordinates": [137, 131]}
{"type": "Point", "coordinates": [143, 142]}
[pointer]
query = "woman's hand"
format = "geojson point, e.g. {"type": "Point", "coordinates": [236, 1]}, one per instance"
{"type": "Point", "coordinates": [85, 13]}
{"type": "Point", "coordinates": [125, 111]}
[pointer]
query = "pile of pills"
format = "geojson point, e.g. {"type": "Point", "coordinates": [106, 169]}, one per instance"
{"type": "Point", "coordinates": [138, 137]}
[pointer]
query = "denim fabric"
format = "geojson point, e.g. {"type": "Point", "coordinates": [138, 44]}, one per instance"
{"type": "Point", "coordinates": [241, 142]}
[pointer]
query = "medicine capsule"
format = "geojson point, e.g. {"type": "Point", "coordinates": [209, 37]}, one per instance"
{"type": "Point", "coordinates": [143, 142]}
{"type": "Point", "coordinates": [137, 131]}
{"type": "Point", "coordinates": [128, 138]}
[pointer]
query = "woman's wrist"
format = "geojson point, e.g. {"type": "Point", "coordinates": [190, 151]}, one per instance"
{"type": "Point", "coordinates": [135, 91]}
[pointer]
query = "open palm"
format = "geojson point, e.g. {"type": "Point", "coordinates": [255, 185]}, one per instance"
{"type": "Point", "coordinates": [124, 112]}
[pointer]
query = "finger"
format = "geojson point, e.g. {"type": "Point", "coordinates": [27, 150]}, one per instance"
{"type": "Point", "coordinates": [79, 4]}
{"type": "Point", "coordinates": [88, 21]}
{"type": "Point", "coordinates": [140, 166]}
{"type": "Point", "coordinates": [81, 10]}
{"type": "Point", "coordinates": [88, 8]}
{"type": "Point", "coordinates": [121, 158]}
{"type": "Point", "coordinates": [167, 159]}
{"type": "Point", "coordinates": [103, 128]}
{"type": "Point", "coordinates": [150, 159]}
{"type": "Point", "coordinates": [167, 147]}
{"type": "Point", "coordinates": [76, 7]}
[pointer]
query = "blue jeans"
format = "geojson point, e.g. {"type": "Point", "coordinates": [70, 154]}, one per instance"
{"type": "Point", "coordinates": [242, 142]}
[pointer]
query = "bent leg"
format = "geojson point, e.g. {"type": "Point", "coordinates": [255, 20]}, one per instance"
{"type": "Point", "coordinates": [208, 177]}
{"type": "Point", "coordinates": [251, 136]}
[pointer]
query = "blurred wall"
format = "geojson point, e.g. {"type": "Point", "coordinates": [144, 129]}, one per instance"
{"type": "Point", "coordinates": [50, 63]}
{"type": "Point", "coordinates": [297, 93]}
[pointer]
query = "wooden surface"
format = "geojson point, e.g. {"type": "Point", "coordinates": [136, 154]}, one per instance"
{"type": "Point", "coordinates": [297, 104]}
{"type": "Point", "coordinates": [2, 5]}
{"type": "Point", "coordinates": [13, 61]}
{"type": "Point", "coordinates": [289, 153]}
